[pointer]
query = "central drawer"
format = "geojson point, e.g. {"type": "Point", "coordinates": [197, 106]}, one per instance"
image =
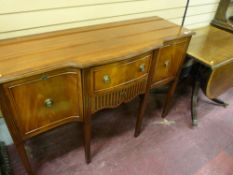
{"type": "Point", "coordinates": [117, 74]}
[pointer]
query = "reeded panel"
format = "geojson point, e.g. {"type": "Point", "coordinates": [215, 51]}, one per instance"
{"type": "Point", "coordinates": [116, 97]}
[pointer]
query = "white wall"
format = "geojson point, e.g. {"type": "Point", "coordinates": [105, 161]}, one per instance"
{"type": "Point", "coordinates": [19, 18]}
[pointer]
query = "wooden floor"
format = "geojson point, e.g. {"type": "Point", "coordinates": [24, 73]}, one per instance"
{"type": "Point", "coordinates": [175, 149]}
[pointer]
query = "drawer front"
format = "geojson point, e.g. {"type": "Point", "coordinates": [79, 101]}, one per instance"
{"type": "Point", "coordinates": [44, 102]}
{"type": "Point", "coordinates": [169, 60]}
{"type": "Point", "coordinates": [117, 74]}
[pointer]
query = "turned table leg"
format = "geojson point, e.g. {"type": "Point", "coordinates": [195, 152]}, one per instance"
{"type": "Point", "coordinates": [220, 102]}
{"type": "Point", "coordinates": [194, 99]}
{"type": "Point", "coordinates": [24, 158]}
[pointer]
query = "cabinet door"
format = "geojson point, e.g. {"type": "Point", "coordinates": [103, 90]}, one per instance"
{"type": "Point", "coordinates": [46, 101]}
{"type": "Point", "coordinates": [169, 61]}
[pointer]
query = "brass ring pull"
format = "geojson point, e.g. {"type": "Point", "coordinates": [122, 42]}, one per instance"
{"type": "Point", "coordinates": [106, 79]}
{"type": "Point", "coordinates": [48, 103]}
{"type": "Point", "coordinates": [142, 68]}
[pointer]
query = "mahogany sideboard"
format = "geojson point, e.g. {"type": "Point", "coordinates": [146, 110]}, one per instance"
{"type": "Point", "coordinates": [51, 79]}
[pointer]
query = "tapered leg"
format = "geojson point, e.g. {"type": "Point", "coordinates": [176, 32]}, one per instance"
{"type": "Point", "coordinates": [143, 102]}
{"type": "Point", "coordinates": [220, 102]}
{"type": "Point", "coordinates": [24, 158]}
{"type": "Point", "coordinates": [87, 138]}
{"type": "Point", "coordinates": [195, 90]}
{"type": "Point", "coordinates": [169, 98]}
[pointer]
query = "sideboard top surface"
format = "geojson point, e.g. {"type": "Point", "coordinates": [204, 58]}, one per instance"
{"type": "Point", "coordinates": [84, 47]}
{"type": "Point", "coordinates": [212, 46]}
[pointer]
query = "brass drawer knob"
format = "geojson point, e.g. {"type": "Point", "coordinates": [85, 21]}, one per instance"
{"type": "Point", "coordinates": [48, 103]}
{"type": "Point", "coordinates": [106, 79]}
{"type": "Point", "coordinates": [166, 63]}
{"type": "Point", "coordinates": [142, 68]}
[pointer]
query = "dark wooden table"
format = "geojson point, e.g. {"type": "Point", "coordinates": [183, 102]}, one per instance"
{"type": "Point", "coordinates": [212, 50]}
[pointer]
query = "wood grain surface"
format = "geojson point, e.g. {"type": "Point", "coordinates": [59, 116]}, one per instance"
{"type": "Point", "coordinates": [46, 101]}
{"type": "Point", "coordinates": [211, 46]}
{"type": "Point", "coordinates": [85, 47]}
{"type": "Point", "coordinates": [49, 80]}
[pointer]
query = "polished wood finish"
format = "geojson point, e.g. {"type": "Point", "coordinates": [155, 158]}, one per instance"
{"type": "Point", "coordinates": [31, 96]}
{"type": "Point", "coordinates": [168, 68]}
{"type": "Point", "coordinates": [212, 47]}
{"type": "Point", "coordinates": [111, 76]}
{"type": "Point", "coordinates": [144, 97]}
{"type": "Point", "coordinates": [127, 79]}
{"type": "Point", "coordinates": [51, 79]}
{"type": "Point", "coordinates": [165, 69]}
{"type": "Point", "coordinates": [7, 110]}
{"type": "Point", "coordinates": [169, 60]}
{"type": "Point", "coordinates": [220, 80]}
{"type": "Point", "coordinates": [212, 50]}
{"type": "Point", "coordinates": [84, 47]}
{"type": "Point", "coordinates": [224, 15]}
